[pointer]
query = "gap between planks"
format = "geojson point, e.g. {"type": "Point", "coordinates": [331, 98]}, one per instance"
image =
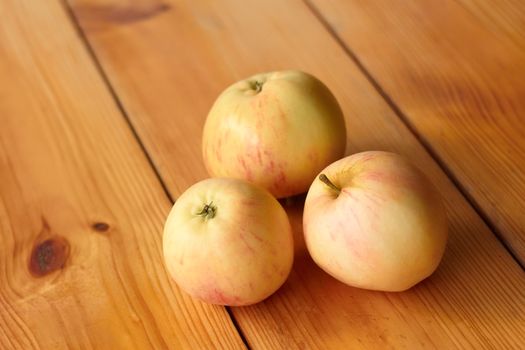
{"type": "Point", "coordinates": [113, 93]}
{"type": "Point", "coordinates": [91, 53]}
{"type": "Point", "coordinates": [420, 138]}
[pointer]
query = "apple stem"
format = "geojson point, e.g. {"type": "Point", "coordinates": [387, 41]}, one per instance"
{"type": "Point", "coordinates": [329, 183]}
{"type": "Point", "coordinates": [257, 86]}
{"type": "Point", "coordinates": [208, 211]}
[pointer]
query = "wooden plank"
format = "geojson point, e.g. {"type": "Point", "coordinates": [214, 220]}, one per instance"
{"type": "Point", "coordinates": [169, 66]}
{"type": "Point", "coordinates": [505, 17]}
{"type": "Point", "coordinates": [81, 209]}
{"type": "Point", "coordinates": [462, 88]}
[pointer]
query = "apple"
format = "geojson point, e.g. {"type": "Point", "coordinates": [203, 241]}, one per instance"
{"type": "Point", "coordinates": [228, 242]}
{"type": "Point", "coordinates": [372, 220]}
{"type": "Point", "coordinates": [277, 130]}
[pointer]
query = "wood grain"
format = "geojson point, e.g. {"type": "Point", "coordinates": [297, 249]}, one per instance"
{"type": "Point", "coordinates": [506, 18]}
{"type": "Point", "coordinates": [167, 70]}
{"type": "Point", "coordinates": [81, 210]}
{"type": "Point", "coordinates": [462, 88]}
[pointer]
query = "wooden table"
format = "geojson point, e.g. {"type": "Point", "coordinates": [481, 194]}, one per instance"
{"type": "Point", "coordinates": [101, 108]}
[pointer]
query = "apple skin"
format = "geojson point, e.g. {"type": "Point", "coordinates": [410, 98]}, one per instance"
{"type": "Point", "coordinates": [387, 228]}
{"type": "Point", "coordinates": [239, 256]}
{"type": "Point", "coordinates": [279, 137]}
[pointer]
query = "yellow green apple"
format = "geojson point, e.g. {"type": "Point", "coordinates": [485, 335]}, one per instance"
{"type": "Point", "coordinates": [277, 130]}
{"type": "Point", "coordinates": [228, 242]}
{"type": "Point", "coordinates": [373, 220]}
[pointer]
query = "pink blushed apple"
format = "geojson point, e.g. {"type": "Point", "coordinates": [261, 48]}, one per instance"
{"type": "Point", "coordinates": [373, 220]}
{"type": "Point", "coordinates": [277, 130]}
{"type": "Point", "coordinates": [228, 242]}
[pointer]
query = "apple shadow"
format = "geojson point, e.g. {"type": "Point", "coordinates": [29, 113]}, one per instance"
{"type": "Point", "coordinates": [294, 209]}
